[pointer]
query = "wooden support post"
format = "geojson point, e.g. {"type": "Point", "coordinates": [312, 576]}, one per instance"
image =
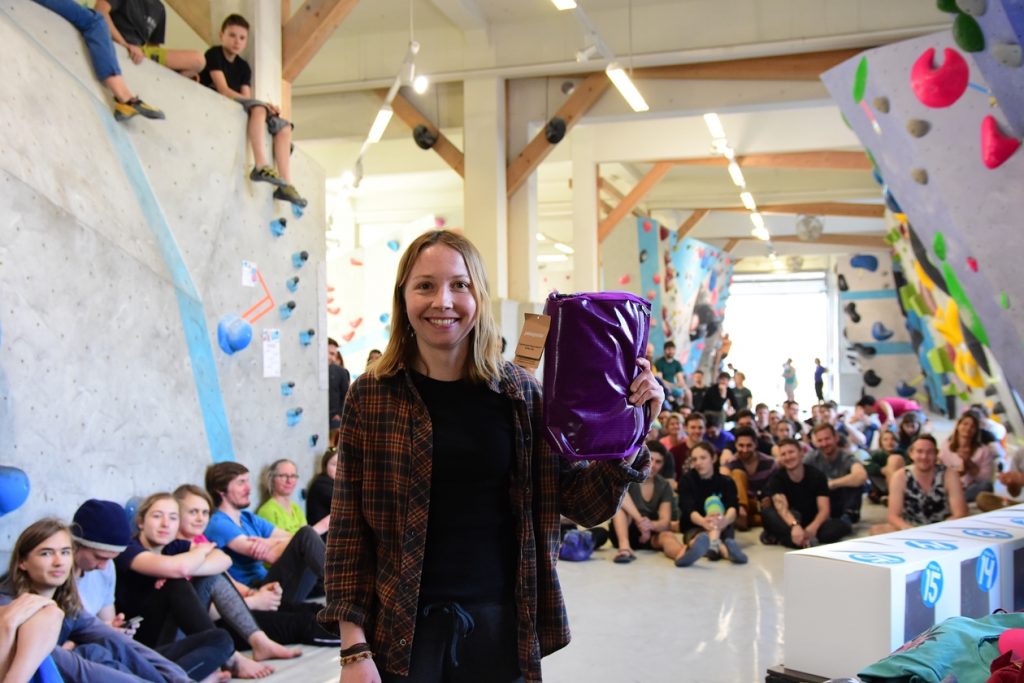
{"type": "Point", "coordinates": [848, 209]}
{"type": "Point", "coordinates": [819, 160]}
{"type": "Point", "coordinates": [306, 32]}
{"type": "Point", "coordinates": [579, 103]}
{"type": "Point", "coordinates": [195, 13]}
{"type": "Point", "coordinates": [690, 223]}
{"type": "Point", "coordinates": [413, 117]}
{"type": "Point", "coordinates": [622, 209]}
{"type": "Point", "coordinates": [730, 245]}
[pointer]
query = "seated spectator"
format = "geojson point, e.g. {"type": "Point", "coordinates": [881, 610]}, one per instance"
{"type": "Point", "coordinates": [719, 400]}
{"type": "Point", "coordinates": [644, 520]}
{"type": "Point", "coordinates": [668, 469]}
{"type": "Point", "coordinates": [741, 392]}
{"type": "Point", "coordinates": [673, 430]}
{"type": "Point", "coordinates": [925, 492]}
{"type": "Point", "coordinates": [791, 414]}
{"type": "Point", "coordinates": [763, 417]}
{"type": "Point", "coordinates": [963, 452]}
{"type": "Point", "coordinates": [697, 390]}
{"type": "Point", "coordinates": [139, 26]}
{"type": "Point", "coordinates": [695, 428]}
{"type": "Point", "coordinates": [256, 616]}
{"type": "Point", "coordinates": [750, 470]}
{"type": "Point", "coordinates": [94, 29]}
{"type": "Point", "coordinates": [845, 475]}
{"type": "Point", "coordinates": [774, 417]}
{"type": "Point", "coordinates": [29, 628]}
{"type": "Point", "coordinates": [153, 582]}
{"type": "Point", "coordinates": [278, 507]}
{"type": "Point", "coordinates": [372, 357]}
{"type": "Point", "coordinates": [42, 563]}
{"type": "Point", "coordinates": [889, 408]}
{"type": "Point", "coordinates": [991, 431]}
{"type": "Point", "coordinates": [670, 371]}
{"type": "Point", "coordinates": [796, 510]}
{"type": "Point", "coordinates": [295, 561]}
{"type": "Point", "coordinates": [1012, 477]}
{"type": "Point", "coordinates": [722, 440]}
{"type": "Point", "coordinates": [707, 507]}
{"type": "Point", "coordinates": [230, 75]}
{"type": "Point", "coordinates": [745, 419]}
{"type": "Point", "coordinates": [883, 463]}
{"type": "Point", "coordinates": [784, 430]}
{"type": "Point", "coordinates": [321, 491]}
{"type": "Point", "coordinates": [829, 412]}
{"type": "Point", "coordinates": [910, 428]}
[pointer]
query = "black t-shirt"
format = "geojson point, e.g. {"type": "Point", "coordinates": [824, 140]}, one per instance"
{"type": "Point", "coordinates": [134, 589]}
{"type": "Point", "coordinates": [802, 495]}
{"type": "Point", "coordinates": [318, 500]}
{"type": "Point", "coordinates": [693, 491]}
{"type": "Point", "coordinates": [713, 401]}
{"type": "Point", "coordinates": [698, 397]}
{"type": "Point", "coordinates": [471, 550]}
{"type": "Point", "coordinates": [141, 22]}
{"type": "Point", "coordinates": [236, 73]}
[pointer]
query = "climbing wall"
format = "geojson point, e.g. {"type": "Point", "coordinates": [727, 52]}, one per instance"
{"type": "Point", "coordinates": [936, 127]}
{"type": "Point", "coordinates": [687, 283]}
{"type": "Point", "coordinates": [874, 338]}
{"type": "Point", "coordinates": [139, 273]}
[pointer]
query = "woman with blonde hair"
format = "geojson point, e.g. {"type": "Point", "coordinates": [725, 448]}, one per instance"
{"type": "Point", "coordinates": [278, 508]}
{"type": "Point", "coordinates": [445, 523]}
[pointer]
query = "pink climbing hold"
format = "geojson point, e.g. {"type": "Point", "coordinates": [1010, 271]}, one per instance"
{"type": "Point", "coordinates": [348, 335]}
{"type": "Point", "coordinates": [624, 280]}
{"type": "Point", "coordinates": [972, 263]}
{"type": "Point", "coordinates": [356, 323]}
{"type": "Point", "coordinates": [334, 311]}
{"type": "Point", "coordinates": [651, 295]}
{"type": "Point", "coordinates": [355, 262]}
{"type": "Point", "coordinates": [996, 148]}
{"type": "Point", "coordinates": [647, 226]}
{"type": "Point", "coordinates": [656, 278]}
{"type": "Point", "coordinates": [939, 87]}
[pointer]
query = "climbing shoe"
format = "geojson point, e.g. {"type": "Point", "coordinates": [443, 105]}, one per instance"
{"type": "Point", "coordinates": [266, 174]}
{"type": "Point", "coordinates": [288, 193]}
{"type": "Point", "coordinates": [125, 110]}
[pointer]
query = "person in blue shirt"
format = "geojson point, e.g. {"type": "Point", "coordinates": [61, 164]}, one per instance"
{"type": "Point", "coordinates": [296, 561]}
{"type": "Point", "coordinates": [819, 380]}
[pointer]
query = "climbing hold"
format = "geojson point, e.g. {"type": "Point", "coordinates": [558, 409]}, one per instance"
{"type": "Point", "coordinates": [881, 104]}
{"type": "Point", "coordinates": [663, 233]}
{"type": "Point", "coordinates": [972, 263]}
{"type": "Point", "coordinates": [385, 317]}
{"type": "Point", "coordinates": [842, 283]}
{"type": "Point", "coordinates": [625, 279]}
{"type": "Point", "coordinates": [313, 438]}
{"type": "Point", "coordinates": [942, 86]}
{"type": "Point", "coordinates": [890, 201]}
{"type": "Point", "coordinates": [851, 310]}
{"type": "Point", "coordinates": [940, 361]}
{"type": "Point", "coordinates": [975, 8]}
{"type": "Point", "coordinates": [131, 506]}
{"type": "Point", "coordinates": [872, 379]}
{"type": "Point", "coordinates": [393, 245]}
{"type": "Point", "coordinates": [920, 176]}
{"type": "Point", "coordinates": [860, 80]}
{"type": "Point", "coordinates": [656, 278]}
{"type": "Point", "coordinates": [947, 6]}
{"type": "Point", "coordinates": [880, 332]}
{"type": "Point", "coordinates": [647, 226]}
{"type": "Point", "coordinates": [348, 336]}
{"type": "Point", "coordinates": [1004, 301]}
{"type": "Point", "coordinates": [905, 390]}
{"type": "Point", "coordinates": [294, 416]}
{"type": "Point", "coordinates": [355, 262]}
{"type": "Point", "coordinates": [967, 34]}
{"type": "Point", "coordinates": [918, 127]}
{"type": "Point", "coordinates": [355, 323]}
{"type": "Point", "coordinates": [651, 295]}
{"type": "Point", "coordinates": [297, 211]}
{"type": "Point", "coordinates": [643, 256]}
{"type": "Point", "coordinates": [939, 246]}
{"type": "Point", "coordinates": [13, 489]}
{"type": "Point", "coordinates": [877, 175]}
{"type": "Point", "coordinates": [286, 388]}
{"type": "Point", "coordinates": [996, 148]}
{"type": "Point", "coordinates": [864, 349]}
{"type": "Point", "coordinates": [866, 261]}
{"type": "Point", "coordinates": [233, 334]}
{"type": "Point", "coordinates": [1008, 54]}
{"type": "Point", "coordinates": [277, 226]}
{"type": "Point", "coordinates": [306, 336]}
{"type": "Point", "coordinates": [299, 258]}
{"type": "Point", "coordinates": [293, 283]}
{"type": "Point", "coordinates": [334, 311]}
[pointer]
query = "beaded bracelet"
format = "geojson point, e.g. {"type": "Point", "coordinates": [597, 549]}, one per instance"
{"type": "Point", "coordinates": [351, 659]}
{"type": "Point", "coordinates": [355, 649]}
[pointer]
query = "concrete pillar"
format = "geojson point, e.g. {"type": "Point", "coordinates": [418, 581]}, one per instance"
{"type": "Point", "coordinates": [584, 210]}
{"type": "Point", "coordinates": [486, 208]}
{"type": "Point", "coordinates": [526, 114]}
{"type": "Point", "coordinates": [264, 50]}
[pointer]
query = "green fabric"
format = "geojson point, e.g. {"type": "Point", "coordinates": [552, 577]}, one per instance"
{"type": "Point", "coordinates": [878, 460]}
{"type": "Point", "coordinates": [289, 520]}
{"type": "Point", "coordinates": [960, 646]}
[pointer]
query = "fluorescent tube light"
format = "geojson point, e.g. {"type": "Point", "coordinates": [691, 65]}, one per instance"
{"type": "Point", "coordinates": [551, 258]}
{"type": "Point", "coordinates": [621, 80]}
{"type": "Point", "coordinates": [758, 220]}
{"type": "Point", "coordinates": [562, 5]}
{"type": "Point", "coordinates": [564, 248]}
{"type": "Point", "coordinates": [760, 234]}
{"type": "Point", "coordinates": [748, 201]}
{"type": "Point", "coordinates": [737, 174]}
{"type": "Point", "coordinates": [380, 124]}
{"type": "Point", "coordinates": [541, 237]}
{"type": "Point", "coordinates": [714, 125]}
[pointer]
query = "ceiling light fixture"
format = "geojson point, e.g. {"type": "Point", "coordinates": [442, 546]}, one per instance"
{"type": "Point", "coordinates": [758, 220]}
{"type": "Point", "coordinates": [562, 5]}
{"type": "Point", "coordinates": [541, 237]}
{"type": "Point", "coordinates": [736, 173]}
{"type": "Point", "coordinates": [564, 248]}
{"type": "Point", "coordinates": [748, 201]}
{"type": "Point", "coordinates": [624, 84]}
{"type": "Point", "coordinates": [714, 124]}
{"type": "Point", "coordinates": [380, 124]}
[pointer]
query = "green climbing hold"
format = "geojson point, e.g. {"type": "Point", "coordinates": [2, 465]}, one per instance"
{"type": "Point", "coordinates": [967, 33]}
{"type": "Point", "coordinates": [1004, 301]}
{"type": "Point", "coordinates": [871, 158]}
{"type": "Point", "coordinates": [939, 246]}
{"type": "Point", "coordinates": [964, 396]}
{"type": "Point", "coordinates": [967, 312]}
{"type": "Point", "coordinates": [947, 6]}
{"type": "Point", "coordinates": [845, 120]}
{"type": "Point", "coordinates": [860, 81]}
{"type": "Point", "coordinates": [893, 237]}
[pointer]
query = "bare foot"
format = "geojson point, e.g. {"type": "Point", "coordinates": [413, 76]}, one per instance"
{"type": "Point", "coordinates": [219, 676]}
{"type": "Point", "coordinates": [274, 650]}
{"type": "Point", "coordinates": [243, 667]}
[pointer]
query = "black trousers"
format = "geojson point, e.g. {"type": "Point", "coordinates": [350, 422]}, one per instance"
{"type": "Point", "coordinates": [289, 624]}
{"type": "Point", "coordinates": [300, 566]}
{"type": "Point", "coordinates": [175, 606]}
{"type": "Point", "coordinates": [200, 654]}
{"type": "Point", "coordinates": [457, 643]}
{"type": "Point", "coordinates": [831, 531]}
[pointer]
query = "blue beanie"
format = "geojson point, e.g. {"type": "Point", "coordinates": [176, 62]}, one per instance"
{"type": "Point", "coordinates": [101, 524]}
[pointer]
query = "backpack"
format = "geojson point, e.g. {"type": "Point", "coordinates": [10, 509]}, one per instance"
{"type": "Point", "coordinates": [577, 546]}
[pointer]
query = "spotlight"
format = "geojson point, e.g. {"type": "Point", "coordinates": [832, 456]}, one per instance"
{"type": "Point", "coordinates": [420, 84]}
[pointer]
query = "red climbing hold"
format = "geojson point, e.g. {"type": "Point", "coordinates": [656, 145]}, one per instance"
{"type": "Point", "coordinates": [656, 278]}
{"type": "Point", "coordinates": [996, 148]}
{"type": "Point", "coordinates": [355, 262]}
{"type": "Point", "coordinates": [624, 280]}
{"type": "Point", "coordinates": [663, 233]}
{"type": "Point", "coordinates": [972, 263]}
{"type": "Point", "coordinates": [348, 335]}
{"type": "Point", "coordinates": [647, 226]}
{"type": "Point", "coordinates": [651, 295]}
{"type": "Point", "coordinates": [356, 323]}
{"type": "Point", "coordinates": [939, 87]}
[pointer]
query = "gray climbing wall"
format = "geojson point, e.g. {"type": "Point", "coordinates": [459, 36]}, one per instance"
{"type": "Point", "coordinates": [121, 246]}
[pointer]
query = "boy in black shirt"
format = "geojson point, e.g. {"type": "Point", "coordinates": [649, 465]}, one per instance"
{"type": "Point", "coordinates": [230, 75]}
{"type": "Point", "coordinates": [139, 26]}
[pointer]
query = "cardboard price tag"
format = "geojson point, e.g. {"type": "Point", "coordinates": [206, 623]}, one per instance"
{"type": "Point", "coordinates": [531, 341]}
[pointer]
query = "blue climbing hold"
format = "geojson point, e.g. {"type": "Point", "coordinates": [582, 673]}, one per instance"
{"type": "Point", "coordinates": [297, 211]}
{"type": "Point", "coordinates": [294, 416]}
{"type": "Point", "coordinates": [313, 438]}
{"type": "Point", "coordinates": [299, 258]}
{"type": "Point", "coordinates": [880, 332]}
{"type": "Point", "coordinates": [278, 226]}
{"type": "Point", "coordinates": [713, 281]}
{"type": "Point", "coordinates": [905, 390]}
{"type": "Point", "coordinates": [877, 175]}
{"type": "Point", "coordinates": [130, 508]}
{"type": "Point", "coordinates": [393, 245]}
{"type": "Point", "coordinates": [865, 261]}
{"type": "Point", "coordinates": [890, 200]}
{"type": "Point", "coordinates": [13, 489]}
{"type": "Point", "coordinates": [385, 317]}
{"type": "Point", "coordinates": [233, 334]}
{"type": "Point", "coordinates": [306, 336]}
{"type": "Point", "coordinates": [286, 388]}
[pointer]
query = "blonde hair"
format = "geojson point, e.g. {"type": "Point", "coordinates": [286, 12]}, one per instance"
{"type": "Point", "coordinates": [144, 507]}
{"type": "Point", "coordinates": [267, 480]}
{"type": "Point", "coordinates": [66, 595]}
{"type": "Point", "coordinates": [485, 362]}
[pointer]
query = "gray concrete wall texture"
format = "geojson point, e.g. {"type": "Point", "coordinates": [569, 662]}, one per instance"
{"type": "Point", "coordinates": [121, 246]}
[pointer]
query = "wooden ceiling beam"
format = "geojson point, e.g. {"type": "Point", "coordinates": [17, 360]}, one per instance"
{"type": "Point", "coordinates": [830, 160]}
{"type": "Point", "coordinates": [800, 67]}
{"type": "Point", "coordinates": [856, 240]}
{"type": "Point", "coordinates": [195, 13]}
{"type": "Point", "coordinates": [444, 148]}
{"type": "Point", "coordinates": [691, 222]}
{"type": "Point", "coordinates": [622, 209]}
{"type": "Point", "coordinates": [307, 30]}
{"type": "Point", "coordinates": [575, 107]}
{"type": "Point", "coordinates": [730, 245]}
{"type": "Point", "coordinates": [606, 187]}
{"type": "Point", "coordinates": [847, 209]}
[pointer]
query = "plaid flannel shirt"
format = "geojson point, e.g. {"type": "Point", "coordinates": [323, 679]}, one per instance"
{"type": "Point", "coordinates": [378, 531]}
